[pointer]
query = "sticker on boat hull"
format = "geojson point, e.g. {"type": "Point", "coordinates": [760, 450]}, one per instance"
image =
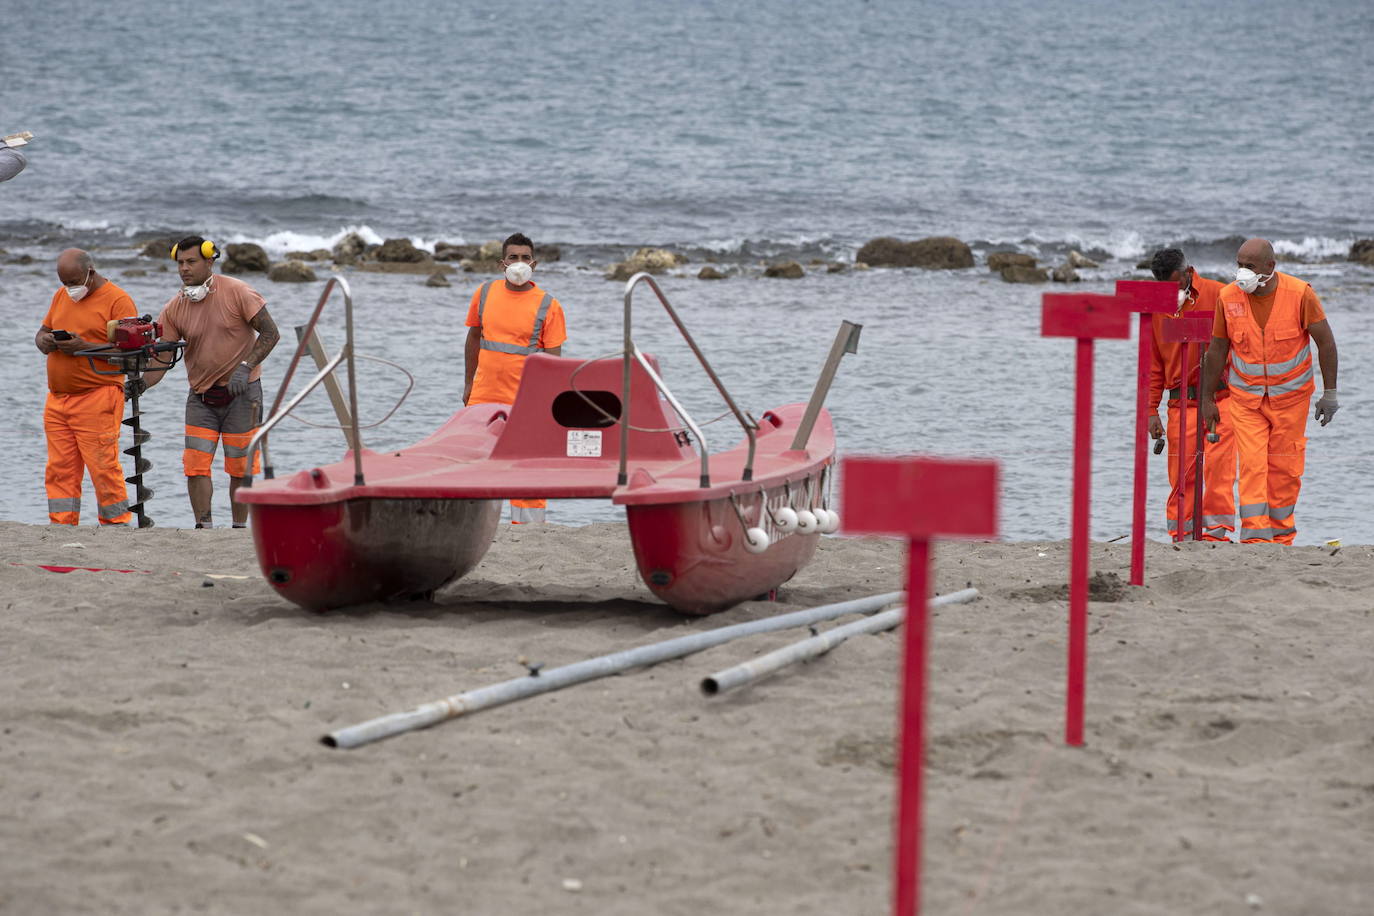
{"type": "Point", "coordinates": [584, 443]}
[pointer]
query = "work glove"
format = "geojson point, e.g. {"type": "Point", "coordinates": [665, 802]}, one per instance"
{"type": "Point", "coordinates": [1156, 428]}
{"type": "Point", "coordinates": [238, 382]}
{"type": "Point", "coordinates": [134, 387]}
{"type": "Point", "coordinates": [1326, 406]}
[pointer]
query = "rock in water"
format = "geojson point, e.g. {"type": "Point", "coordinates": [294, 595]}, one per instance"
{"type": "Point", "coordinates": [648, 260]}
{"type": "Point", "coordinates": [398, 250]}
{"type": "Point", "coordinates": [1077, 259]}
{"type": "Point", "coordinates": [291, 272]}
{"type": "Point", "coordinates": [788, 270]}
{"type": "Point", "coordinates": [1000, 259]}
{"type": "Point", "coordinates": [244, 258]}
{"type": "Point", "coordinates": [349, 249]}
{"type": "Point", "coordinates": [709, 273]}
{"type": "Point", "coordinates": [1015, 274]}
{"type": "Point", "coordinates": [1362, 252]}
{"type": "Point", "coordinates": [1065, 273]}
{"type": "Point", "coordinates": [934, 253]}
{"type": "Point", "coordinates": [437, 279]}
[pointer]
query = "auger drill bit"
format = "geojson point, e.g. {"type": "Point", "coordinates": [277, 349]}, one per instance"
{"type": "Point", "coordinates": [141, 493]}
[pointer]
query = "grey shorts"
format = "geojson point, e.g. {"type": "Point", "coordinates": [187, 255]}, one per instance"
{"type": "Point", "coordinates": [235, 423]}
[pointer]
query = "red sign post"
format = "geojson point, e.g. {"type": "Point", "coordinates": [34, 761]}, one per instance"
{"type": "Point", "coordinates": [1083, 316]}
{"type": "Point", "coordinates": [1148, 297]}
{"type": "Point", "coordinates": [1188, 329]}
{"type": "Point", "coordinates": [919, 499]}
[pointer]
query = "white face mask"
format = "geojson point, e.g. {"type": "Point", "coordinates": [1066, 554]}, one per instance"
{"type": "Point", "coordinates": [1250, 281]}
{"type": "Point", "coordinates": [518, 274]}
{"type": "Point", "coordinates": [79, 291]}
{"type": "Point", "coordinates": [196, 293]}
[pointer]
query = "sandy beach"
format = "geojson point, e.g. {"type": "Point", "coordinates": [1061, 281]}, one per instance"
{"type": "Point", "coordinates": [161, 739]}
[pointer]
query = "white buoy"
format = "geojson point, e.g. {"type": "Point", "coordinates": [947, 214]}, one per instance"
{"type": "Point", "coordinates": [832, 522]}
{"type": "Point", "coordinates": [756, 540]}
{"type": "Point", "coordinates": [785, 519]}
{"type": "Point", "coordinates": [806, 522]}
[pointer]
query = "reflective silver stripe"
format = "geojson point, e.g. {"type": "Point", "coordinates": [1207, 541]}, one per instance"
{"type": "Point", "coordinates": [1279, 513]}
{"type": "Point", "coordinates": [1292, 385]}
{"type": "Point", "coordinates": [506, 347]}
{"type": "Point", "coordinates": [1290, 365]}
{"type": "Point", "coordinates": [482, 301]}
{"type": "Point", "coordinates": [72, 504]}
{"type": "Point", "coordinates": [114, 509]}
{"type": "Point", "coordinates": [197, 444]}
{"type": "Point", "coordinates": [1219, 521]}
{"type": "Point", "coordinates": [1250, 510]}
{"type": "Point", "coordinates": [1247, 368]}
{"type": "Point", "coordinates": [1242, 384]}
{"type": "Point", "coordinates": [234, 451]}
{"type": "Point", "coordinates": [539, 321]}
{"type": "Point", "coordinates": [526, 514]}
{"type": "Point", "coordinates": [1267, 533]}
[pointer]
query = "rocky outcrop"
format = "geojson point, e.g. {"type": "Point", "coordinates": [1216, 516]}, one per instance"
{"type": "Point", "coordinates": [245, 258]}
{"type": "Point", "coordinates": [648, 260]}
{"type": "Point", "coordinates": [438, 280]}
{"type": "Point", "coordinates": [1079, 260]}
{"type": "Point", "coordinates": [489, 251]}
{"type": "Point", "coordinates": [1065, 273]}
{"type": "Point", "coordinates": [291, 272]}
{"type": "Point", "coordinates": [397, 251]}
{"type": "Point", "coordinates": [709, 273]}
{"type": "Point", "coordinates": [349, 249]}
{"type": "Point", "coordinates": [319, 254]}
{"type": "Point", "coordinates": [158, 247]}
{"type": "Point", "coordinates": [997, 260]}
{"type": "Point", "coordinates": [788, 270]}
{"type": "Point", "coordinates": [836, 267]}
{"type": "Point", "coordinates": [419, 268]}
{"type": "Point", "coordinates": [1362, 252]}
{"type": "Point", "coordinates": [448, 251]}
{"type": "Point", "coordinates": [1015, 274]}
{"type": "Point", "coordinates": [934, 253]}
{"type": "Point", "coordinates": [481, 266]}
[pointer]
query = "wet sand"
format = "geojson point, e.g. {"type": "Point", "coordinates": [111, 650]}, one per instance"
{"type": "Point", "coordinates": [160, 749]}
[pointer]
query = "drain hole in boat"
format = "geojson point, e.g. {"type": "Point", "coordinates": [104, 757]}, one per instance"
{"type": "Point", "coordinates": [280, 576]}
{"type": "Point", "coordinates": [571, 410]}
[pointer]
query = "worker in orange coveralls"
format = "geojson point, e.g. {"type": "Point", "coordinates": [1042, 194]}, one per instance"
{"type": "Point", "coordinates": [1195, 293]}
{"type": "Point", "coordinates": [507, 321]}
{"type": "Point", "coordinates": [82, 415]}
{"type": "Point", "coordinates": [1263, 326]}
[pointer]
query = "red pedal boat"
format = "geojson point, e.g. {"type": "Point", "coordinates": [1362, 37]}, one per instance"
{"type": "Point", "coordinates": [708, 530]}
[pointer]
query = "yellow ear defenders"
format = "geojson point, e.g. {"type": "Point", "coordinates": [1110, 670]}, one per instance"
{"type": "Point", "coordinates": [207, 250]}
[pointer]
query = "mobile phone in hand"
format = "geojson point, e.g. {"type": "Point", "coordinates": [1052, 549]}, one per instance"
{"type": "Point", "coordinates": [61, 335]}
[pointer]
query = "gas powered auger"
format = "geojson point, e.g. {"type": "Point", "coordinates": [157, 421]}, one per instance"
{"type": "Point", "coordinates": [133, 345]}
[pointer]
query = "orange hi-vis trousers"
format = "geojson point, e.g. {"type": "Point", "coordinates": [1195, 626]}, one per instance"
{"type": "Point", "coordinates": [526, 511]}
{"type": "Point", "coordinates": [1218, 475]}
{"type": "Point", "coordinates": [235, 424]}
{"type": "Point", "coordinates": [83, 435]}
{"type": "Point", "coordinates": [1272, 445]}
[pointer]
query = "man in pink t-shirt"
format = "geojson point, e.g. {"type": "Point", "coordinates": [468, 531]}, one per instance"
{"type": "Point", "coordinates": [228, 334]}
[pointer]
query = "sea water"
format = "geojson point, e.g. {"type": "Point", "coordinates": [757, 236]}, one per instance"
{"type": "Point", "coordinates": [738, 133]}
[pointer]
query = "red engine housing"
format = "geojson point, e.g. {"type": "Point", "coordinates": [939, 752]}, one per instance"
{"type": "Point", "coordinates": [136, 333]}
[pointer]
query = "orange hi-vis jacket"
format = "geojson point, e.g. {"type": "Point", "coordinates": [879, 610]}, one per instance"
{"type": "Point", "coordinates": [1275, 360]}
{"type": "Point", "coordinates": [1164, 369]}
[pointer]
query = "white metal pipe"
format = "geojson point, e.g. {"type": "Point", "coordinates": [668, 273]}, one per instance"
{"type": "Point", "coordinates": [517, 689]}
{"type": "Point", "coordinates": [754, 669]}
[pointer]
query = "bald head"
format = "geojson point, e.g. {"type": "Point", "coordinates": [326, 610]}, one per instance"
{"type": "Point", "coordinates": [1255, 250]}
{"type": "Point", "coordinates": [74, 267]}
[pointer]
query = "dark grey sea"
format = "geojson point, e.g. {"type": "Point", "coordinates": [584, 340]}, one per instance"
{"type": "Point", "coordinates": [733, 132]}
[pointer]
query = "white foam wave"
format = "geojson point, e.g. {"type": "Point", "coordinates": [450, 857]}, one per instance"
{"type": "Point", "coordinates": [1123, 245]}
{"type": "Point", "coordinates": [1313, 247]}
{"type": "Point", "coordinates": [279, 243]}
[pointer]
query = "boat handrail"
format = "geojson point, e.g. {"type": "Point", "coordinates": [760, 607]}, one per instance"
{"type": "Point", "coordinates": [278, 413]}
{"type": "Point", "coordinates": [632, 354]}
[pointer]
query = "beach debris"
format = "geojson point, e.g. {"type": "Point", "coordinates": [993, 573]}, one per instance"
{"type": "Point", "coordinates": [572, 885]}
{"type": "Point", "coordinates": [245, 257]}
{"type": "Point", "coordinates": [1254, 901]}
{"type": "Point", "coordinates": [206, 583]}
{"type": "Point", "coordinates": [818, 644]}
{"type": "Point", "coordinates": [997, 260]}
{"type": "Point", "coordinates": [225, 576]}
{"type": "Point", "coordinates": [76, 545]}
{"type": "Point", "coordinates": [533, 668]}
{"type": "Point", "coordinates": [256, 840]}
{"type": "Point", "coordinates": [710, 273]}
{"type": "Point", "coordinates": [590, 669]}
{"type": "Point", "coordinates": [787, 270]}
{"type": "Point", "coordinates": [292, 272]}
{"type": "Point", "coordinates": [940, 252]}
